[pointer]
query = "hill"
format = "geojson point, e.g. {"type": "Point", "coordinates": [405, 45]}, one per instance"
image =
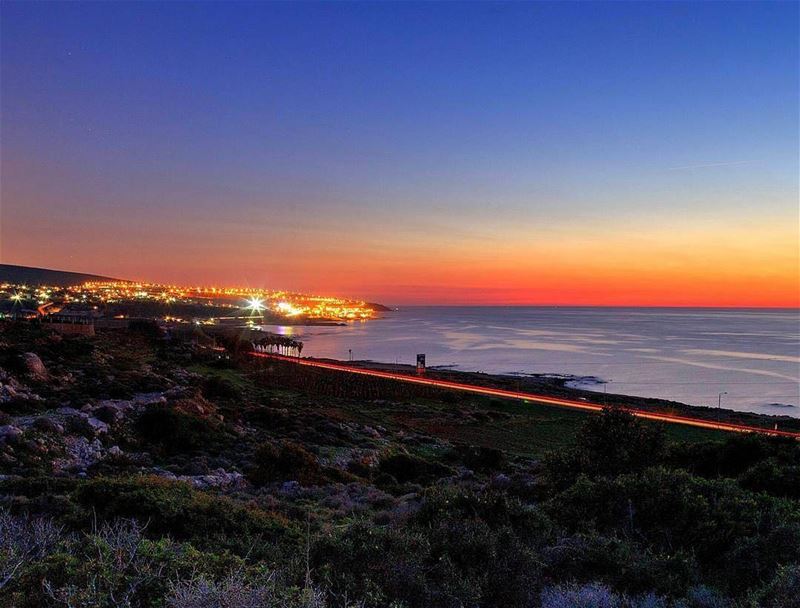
{"type": "Point", "coordinates": [187, 476]}
{"type": "Point", "coordinates": [44, 276]}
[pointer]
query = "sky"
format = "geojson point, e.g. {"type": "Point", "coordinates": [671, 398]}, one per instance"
{"type": "Point", "coordinates": [442, 153]}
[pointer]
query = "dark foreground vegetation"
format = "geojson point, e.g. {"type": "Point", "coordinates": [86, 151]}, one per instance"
{"type": "Point", "coordinates": [143, 472]}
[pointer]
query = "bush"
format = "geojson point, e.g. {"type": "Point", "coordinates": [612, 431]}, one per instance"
{"type": "Point", "coordinates": [588, 596]}
{"type": "Point", "coordinates": [174, 432]}
{"type": "Point", "coordinates": [24, 540]}
{"type": "Point", "coordinates": [773, 477]}
{"type": "Point", "coordinates": [671, 510]}
{"type": "Point", "coordinates": [220, 387]}
{"type": "Point", "coordinates": [610, 444]}
{"type": "Point", "coordinates": [286, 461]}
{"type": "Point", "coordinates": [479, 458]}
{"type": "Point", "coordinates": [783, 591]}
{"type": "Point", "coordinates": [733, 456]}
{"type": "Point", "coordinates": [406, 468]}
{"type": "Point", "coordinates": [176, 509]}
{"type": "Point", "coordinates": [237, 591]}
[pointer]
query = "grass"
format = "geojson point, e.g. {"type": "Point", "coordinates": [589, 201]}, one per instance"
{"type": "Point", "coordinates": [529, 430]}
{"type": "Point", "coordinates": [523, 429]}
{"type": "Point", "coordinates": [235, 376]}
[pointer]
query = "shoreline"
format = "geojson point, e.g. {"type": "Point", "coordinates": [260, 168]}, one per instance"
{"type": "Point", "coordinates": [557, 387]}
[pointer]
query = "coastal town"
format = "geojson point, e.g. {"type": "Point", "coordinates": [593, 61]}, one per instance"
{"type": "Point", "coordinates": [110, 303]}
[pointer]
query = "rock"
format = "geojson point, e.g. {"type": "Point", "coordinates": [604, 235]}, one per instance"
{"type": "Point", "coordinates": [372, 432]}
{"type": "Point", "coordinates": [149, 398]}
{"type": "Point", "coordinates": [98, 426]}
{"type": "Point", "coordinates": [109, 414]}
{"type": "Point", "coordinates": [10, 433]}
{"type": "Point", "coordinates": [48, 425]}
{"type": "Point", "coordinates": [80, 454]}
{"type": "Point", "coordinates": [68, 411]}
{"type": "Point", "coordinates": [290, 488]}
{"type": "Point", "coordinates": [11, 390]}
{"type": "Point", "coordinates": [115, 451]}
{"type": "Point", "coordinates": [34, 366]}
{"type": "Point", "coordinates": [165, 474]}
{"type": "Point", "coordinates": [83, 424]}
{"type": "Point", "coordinates": [217, 479]}
{"type": "Point", "coordinates": [501, 480]}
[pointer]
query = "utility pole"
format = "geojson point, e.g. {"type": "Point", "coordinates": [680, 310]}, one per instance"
{"type": "Point", "coordinates": [719, 405]}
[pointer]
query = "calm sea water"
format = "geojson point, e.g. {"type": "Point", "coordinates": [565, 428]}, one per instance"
{"type": "Point", "coordinates": [687, 355]}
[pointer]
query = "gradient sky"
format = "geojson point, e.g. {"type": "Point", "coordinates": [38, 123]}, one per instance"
{"type": "Point", "coordinates": [586, 153]}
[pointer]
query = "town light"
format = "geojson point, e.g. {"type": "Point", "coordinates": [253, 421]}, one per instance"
{"type": "Point", "coordinates": [255, 305]}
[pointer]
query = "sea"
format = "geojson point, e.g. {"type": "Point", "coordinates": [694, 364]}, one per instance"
{"type": "Point", "coordinates": [745, 359]}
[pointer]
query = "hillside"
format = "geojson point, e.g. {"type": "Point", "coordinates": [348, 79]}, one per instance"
{"type": "Point", "coordinates": [44, 276]}
{"type": "Point", "coordinates": [179, 476]}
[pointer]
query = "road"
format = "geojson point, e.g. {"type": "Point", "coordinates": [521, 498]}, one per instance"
{"type": "Point", "coordinates": [530, 397]}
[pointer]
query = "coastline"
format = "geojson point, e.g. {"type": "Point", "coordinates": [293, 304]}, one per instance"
{"type": "Point", "coordinates": [683, 356]}
{"type": "Point", "coordinates": [557, 386]}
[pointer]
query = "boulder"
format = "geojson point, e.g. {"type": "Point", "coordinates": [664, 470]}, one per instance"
{"type": "Point", "coordinates": [83, 424]}
{"type": "Point", "coordinates": [216, 479]}
{"type": "Point", "coordinates": [149, 398]}
{"type": "Point", "coordinates": [98, 426]}
{"type": "Point", "coordinates": [109, 413]}
{"type": "Point", "coordinates": [34, 366]}
{"type": "Point", "coordinates": [48, 425]}
{"type": "Point", "coordinates": [10, 433]}
{"type": "Point", "coordinates": [9, 391]}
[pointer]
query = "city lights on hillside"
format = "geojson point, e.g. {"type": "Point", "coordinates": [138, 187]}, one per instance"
{"type": "Point", "coordinates": [237, 300]}
{"type": "Point", "coordinates": [288, 309]}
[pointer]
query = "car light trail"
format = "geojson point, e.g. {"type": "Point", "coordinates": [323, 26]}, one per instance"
{"type": "Point", "coordinates": [518, 395]}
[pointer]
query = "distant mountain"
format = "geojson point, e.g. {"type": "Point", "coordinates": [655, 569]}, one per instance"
{"type": "Point", "coordinates": [27, 275]}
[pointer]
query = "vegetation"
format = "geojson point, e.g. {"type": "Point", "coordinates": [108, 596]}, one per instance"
{"type": "Point", "coordinates": [151, 473]}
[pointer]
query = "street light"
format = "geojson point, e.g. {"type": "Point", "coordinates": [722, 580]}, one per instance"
{"type": "Point", "coordinates": [255, 305]}
{"type": "Point", "coordinates": [605, 391]}
{"type": "Point", "coordinates": [719, 405]}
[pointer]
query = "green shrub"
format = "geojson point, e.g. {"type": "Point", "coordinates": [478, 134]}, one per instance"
{"type": "Point", "coordinates": [174, 432]}
{"type": "Point", "coordinates": [407, 468]}
{"type": "Point", "coordinates": [773, 477]}
{"type": "Point", "coordinates": [783, 591]}
{"type": "Point", "coordinates": [220, 387]}
{"type": "Point", "coordinates": [176, 509]}
{"type": "Point", "coordinates": [285, 461]}
{"type": "Point", "coordinates": [607, 445]}
{"type": "Point", "coordinates": [479, 458]}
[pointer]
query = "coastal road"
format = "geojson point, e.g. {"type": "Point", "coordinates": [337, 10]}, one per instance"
{"type": "Point", "coordinates": [529, 397]}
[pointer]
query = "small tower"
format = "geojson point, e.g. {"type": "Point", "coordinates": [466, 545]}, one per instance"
{"type": "Point", "coordinates": [421, 364]}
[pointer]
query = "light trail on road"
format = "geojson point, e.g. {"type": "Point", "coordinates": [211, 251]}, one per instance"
{"type": "Point", "coordinates": [521, 396]}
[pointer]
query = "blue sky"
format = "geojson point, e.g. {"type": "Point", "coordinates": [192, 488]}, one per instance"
{"type": "Point", "coordinates": [326, 123]}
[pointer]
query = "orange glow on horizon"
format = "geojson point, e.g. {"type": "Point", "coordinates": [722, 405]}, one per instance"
{"type": "Point", "coordinates": [680, 263]}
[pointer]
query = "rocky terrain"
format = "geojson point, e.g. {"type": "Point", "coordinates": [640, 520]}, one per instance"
{"type": "Point", "coordinates": [142, 471]}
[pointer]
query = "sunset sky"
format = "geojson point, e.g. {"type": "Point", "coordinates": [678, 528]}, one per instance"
{"type": "Point", "coordinates": [588, 153]}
